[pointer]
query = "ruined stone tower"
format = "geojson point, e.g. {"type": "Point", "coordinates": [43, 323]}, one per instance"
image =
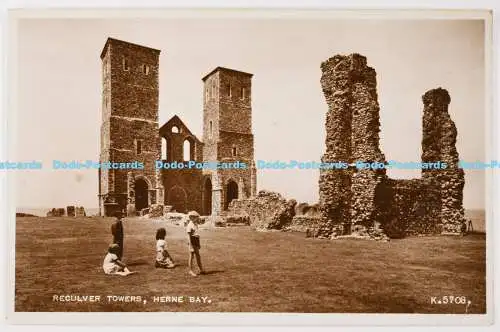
{"type": "Point", "coordinates": [357, 200]}
{"type": "Point", "coordinates": [438, 143]}
{"type": "Point", "coordinates": [129, 130]}
{"type": "Point", "coordinates": [227, 137]}
{"type": "Point", "coordinates": [347, 196]}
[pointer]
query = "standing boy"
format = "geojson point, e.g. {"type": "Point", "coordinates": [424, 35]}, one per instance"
{"type": "Point", "coordinates": [194, 241]}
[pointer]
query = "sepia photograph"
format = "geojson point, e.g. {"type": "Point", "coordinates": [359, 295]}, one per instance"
{"type": "Point", "coordinates": [250, 161]}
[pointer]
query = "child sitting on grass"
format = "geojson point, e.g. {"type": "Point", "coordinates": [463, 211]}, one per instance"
{"type": "Point", "coordinates": [112, 264]}
{"type": "Point", "coordinates": [163, 258]}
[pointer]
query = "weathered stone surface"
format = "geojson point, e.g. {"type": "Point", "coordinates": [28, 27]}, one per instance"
{"type": "Point", "coordinates": [129, 129]}
{"type": "Point", "coordinates": [181, 186]}
{"type": "Point", "coordinates": [228, 137]}
{"type": "Point", "coordinates": [305, 224]}
{"type": "Point", "coordinates": [268, 210]}
{"type": "Point", "coordinates": [347, 196]}
{"type": "Point", "coordinates": [438, 144]}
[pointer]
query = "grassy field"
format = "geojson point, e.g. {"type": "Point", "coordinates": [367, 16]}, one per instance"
{"type": "Point", "coordinates": [248, 271]}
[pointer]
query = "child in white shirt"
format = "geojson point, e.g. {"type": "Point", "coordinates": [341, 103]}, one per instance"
{"type": "Point", "coordinates": [112, 264]}
{"type": "Point", "coordinates": [194, 241]}
{"type": "Point", "coordinates": [163, 258]}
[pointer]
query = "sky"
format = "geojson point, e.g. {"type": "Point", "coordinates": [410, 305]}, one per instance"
{"type": "Point", "coordinates": [58, 113]}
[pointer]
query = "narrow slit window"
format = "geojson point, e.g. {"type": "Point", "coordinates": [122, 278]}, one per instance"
{"type": "Point", "coordinates": [138, 147]}
{"type": "Point", "coordinates": [125, 64]}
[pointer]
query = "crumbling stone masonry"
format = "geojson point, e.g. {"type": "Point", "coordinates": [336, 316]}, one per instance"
{"type": "Point", "coordinates": [438, 143]}
{"type": "Point", "coordinates": [365, 201]}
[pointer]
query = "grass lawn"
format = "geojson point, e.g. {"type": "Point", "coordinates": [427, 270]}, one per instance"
{"type": "Point", "coordinates": [248, 271]}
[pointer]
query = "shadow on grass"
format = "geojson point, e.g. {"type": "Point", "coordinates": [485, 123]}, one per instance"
{"type": "Point", "coordinates": [475, 233]}
{"type": "Point", "coordinates": [139, 263]}
{"type": "Point", "coordinates": [213, 272]}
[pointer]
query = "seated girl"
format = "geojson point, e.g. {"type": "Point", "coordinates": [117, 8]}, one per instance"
{"type": "Point", "coordinates": [163, 258]}
{"type": "Point", "coordinates": [113, 265]}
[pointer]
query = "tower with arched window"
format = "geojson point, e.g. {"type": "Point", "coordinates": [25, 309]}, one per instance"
{"type": "Point", "coordinates": [227, 138]}
{"type": "Point", "coordinates": [130, 133]}
{"type": "Point", "coordinates": [129, 129]}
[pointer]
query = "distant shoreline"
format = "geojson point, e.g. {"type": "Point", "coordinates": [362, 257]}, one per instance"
{"type": "Point", "coordinates": [42, 211]}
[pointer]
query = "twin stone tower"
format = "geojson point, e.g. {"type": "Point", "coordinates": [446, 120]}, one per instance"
{"type": "Point", "coordinates": [350, 199]}
{"type": "Point", "coordinates": [130, 132]}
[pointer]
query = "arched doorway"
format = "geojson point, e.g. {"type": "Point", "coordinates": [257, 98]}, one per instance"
{"type": "Point", "coordinates": [177, 198]}
{"type": "Point", "coordinates": [231, 192]}
{"type": "Point", "coordinates": [207, 197]}
{"type": "Point", "coordinates": [141, 194]}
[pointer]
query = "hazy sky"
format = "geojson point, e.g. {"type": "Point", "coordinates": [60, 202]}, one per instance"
{"type": "Point", "coordinates": [59, 86]}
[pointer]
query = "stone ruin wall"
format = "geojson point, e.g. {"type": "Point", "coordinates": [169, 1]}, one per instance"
{"type": "Point", "coordinates": [367, 201]}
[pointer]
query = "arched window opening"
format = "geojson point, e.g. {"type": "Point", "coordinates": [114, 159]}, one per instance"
{"type": "Point", "coordinates": [187, 150]}
{"type": "Point", "coordinates": [164, 148]}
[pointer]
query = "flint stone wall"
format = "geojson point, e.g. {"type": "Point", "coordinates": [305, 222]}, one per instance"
{"type": "Point", "coordinates": [408, 208]}
{"type": "Point", "coordinates": [268, 210]}
{"type": "Point", "coordinates": [304, 224]}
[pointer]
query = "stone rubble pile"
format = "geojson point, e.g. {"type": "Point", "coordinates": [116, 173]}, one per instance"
{"type": "Point", "coordinates": [268, 210]}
